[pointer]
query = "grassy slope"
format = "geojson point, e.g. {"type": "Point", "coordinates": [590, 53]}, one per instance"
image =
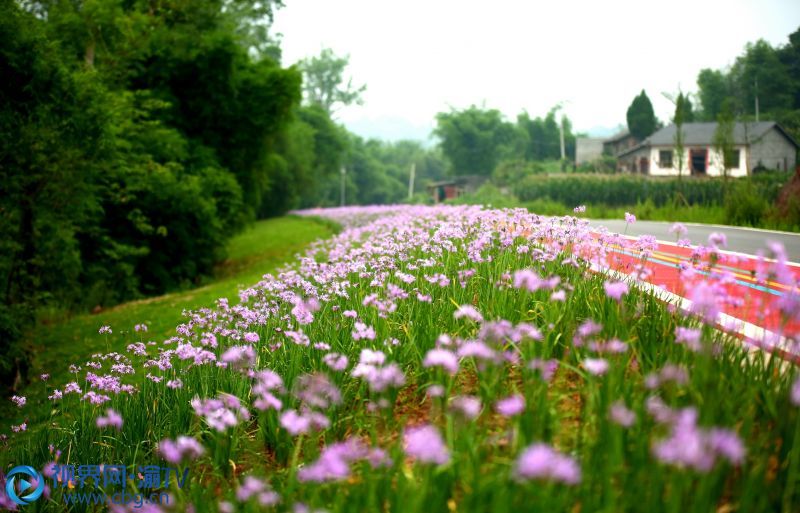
{"type": "Point", "coordinates": [259, 250]}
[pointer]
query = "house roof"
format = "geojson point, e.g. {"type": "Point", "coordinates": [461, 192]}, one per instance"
{"type": "Point", "coordinates": [702, 134]}
{"type": "Point", "coordinates": [618, 136]}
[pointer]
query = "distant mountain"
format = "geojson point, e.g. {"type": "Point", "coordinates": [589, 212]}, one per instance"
{"type": "Point", "coordinates": [391, 129]}
{"type": "Point", "coordinates": [602, 131]}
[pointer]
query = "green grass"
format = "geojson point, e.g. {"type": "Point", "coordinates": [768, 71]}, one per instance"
{"type": "Point", "coordinates": [258, 250]}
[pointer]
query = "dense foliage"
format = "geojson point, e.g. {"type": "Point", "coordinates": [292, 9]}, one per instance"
{"type": "Point", "coordinates": [764, 75]}
{"type": "Point", "coordinates": [137, 137]}
{"type": "Point", "coordinates": [477, 141]}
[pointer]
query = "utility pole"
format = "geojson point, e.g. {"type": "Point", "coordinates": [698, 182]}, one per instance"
{"type": "Point", "coordinates": [756, 80]}
{"type": "Point", "coordinates": [344, 174]}
{"type": "Point", "coordinates": [561, 130]}
{"type": "Point", "coordinates": [411, 180]}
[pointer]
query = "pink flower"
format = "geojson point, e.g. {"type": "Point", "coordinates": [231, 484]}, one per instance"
{"type": "Point", "coordinates": [468, 311]}
{"type": "Point", "coordinates": [621, 415]}
{"type": "Point", "coordinates": [468, 405]}
{"type": "Point", "coordinates": [717, 240]}
{"type": "Point", "coordinates": [510, 406]}
{"type": "Point", "coordinates": [112, 419]}
{"type": "Point", "coordinates": [540, 461]}
{"type": "Point", "coordinates": [630, 218]}
{"type": "Point", "coordinates": [679, 229]}
{"type": "Point", "coordinates": [441, 358]}
{"type": "Point", "coordinates": [425, 444]}
{"type": "Point", "coordinates": [615, 289]}
{"type": "Point", "coordinates": [595, 366]}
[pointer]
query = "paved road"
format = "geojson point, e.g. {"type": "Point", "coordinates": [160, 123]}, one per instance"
{"type": "Point", "coordinates": [744, 240]}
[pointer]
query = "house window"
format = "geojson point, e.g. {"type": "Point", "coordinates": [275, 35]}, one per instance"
{"type": "Point", "coordinates": [665, 158]}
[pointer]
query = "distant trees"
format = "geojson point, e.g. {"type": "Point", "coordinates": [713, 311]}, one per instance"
{"type": "Point", "coordinates": [641, 117]}
{"type": "Point", "coordinates": [324, 82]}
{"type": "Point", "coordinates": [473, 140]}
{"type": "Point", "coordinates": [476, 141]}
{"type": "Point", "coordinates": [770, 75]}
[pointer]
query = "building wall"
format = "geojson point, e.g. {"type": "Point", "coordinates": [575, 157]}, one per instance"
{"type": "Point", "coordinates": [773, 151]}
{"type": "Point", "coordinates": [713, 167]}
{"type": "Point", "coordinates": [587, 149]}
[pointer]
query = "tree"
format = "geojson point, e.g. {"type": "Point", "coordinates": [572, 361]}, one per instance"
{"type": "Point", "coordinates": [683, 114]}
{"type": "Point", "coordinates": [713, 87]}
{"type": "Point", "coordinates": [324, 83]}
{"type": "Point", "coordinates": [474, 139]}
{"type": "Point", "coordinates": [641, 117]}
{"type": "Point", "coordinates": [723, 137]}
{"type": "Point", "coordinates": [759, 74]}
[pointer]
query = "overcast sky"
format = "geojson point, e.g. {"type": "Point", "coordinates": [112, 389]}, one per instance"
{"type": "Point", "coordinates": [420, 57]}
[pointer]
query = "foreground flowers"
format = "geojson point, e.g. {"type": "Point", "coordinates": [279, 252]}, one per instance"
{"type": "Point", "coordinates": [427, 359]}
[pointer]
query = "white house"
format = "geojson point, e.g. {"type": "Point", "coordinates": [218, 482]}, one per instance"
{"type": "Point", "coordinates": [756, 145]}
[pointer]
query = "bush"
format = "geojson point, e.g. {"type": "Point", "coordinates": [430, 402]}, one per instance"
{"type": "Point", "coordinates": [623, 190]}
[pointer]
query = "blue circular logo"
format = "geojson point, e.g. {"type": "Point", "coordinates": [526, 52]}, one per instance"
{"type": "Point", "coordinates": [30, 488]}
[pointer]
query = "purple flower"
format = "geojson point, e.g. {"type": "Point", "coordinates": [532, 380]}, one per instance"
{"type": "Point", "coordinates": [540, 461]}
{"type": "Point", "coordinates": [222, 412]}
{"type": "Point", "coordinates": [251, 337]}
{"type": "Point", "coordinates": [468, 405]}
{"type": "Point", "coordinates": [527, 279]}
{"type": "Point", "coordinates": [688, 336]}
{"type": "Point", "coordinates": [175, 383]}
{"type": "Point", "coordinates": [616, 289]}
{"type": "Point", "coordinates": [183, 448]}
{"type": "Point", "coordinates": [795, 393]}
{"type": "Point", "coordinates": [717, 240]}
{"type": "Point", "coordinates": [334, 462]}
{"type": "Point", "coordinates": [441, 358]}
{"type": "Point", "coordinates": [299, 423]}
{"type": "Point", "coordinates": [337, 362]}
{"type": "Point", "coordinates": [468, 311]}
{"type": "Point", "coordinates": [620, 414]}
{"type": "Point", "coordinates": [679, 229]}
{"type": "Point", "coordinates": [510, 406]}
{"type": "Point", "coordinates": [691, 446]}
{"type": "Point", "coordinates": [579, 209]}
{"type": "Point", "coordinates": [239, 357]}
{"type": "Point", "coordinates": [104, 330]}
{"type": "Point", "coordinates": [19, 400]}
{"type": "Point", "coordinates": [546, 368]}
{"type": "Point", "coordinates": [705, 302]}
{"type": "Point", "coordinates": [112, 419]}
{"type": "Point", "coordinates": [254, 487]}
{"type": "Point", "coordinates": [425, 444]}
{"type": "Point", "coordinates": [595, 366]}
{"type": "Point", "coordinates": [630, 218]}
{"type": "Point", "coordinates": [362, 331]}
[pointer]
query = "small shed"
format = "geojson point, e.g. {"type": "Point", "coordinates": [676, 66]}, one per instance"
{"type": "Point", "coordinates": [454, 187]}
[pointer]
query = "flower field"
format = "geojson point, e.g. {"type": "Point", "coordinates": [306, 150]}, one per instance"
{"type": "Point", "coordinates": [433, 359]}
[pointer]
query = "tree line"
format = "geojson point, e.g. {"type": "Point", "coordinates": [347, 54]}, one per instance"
{"type": "Point", "coordinates": [762, 83]}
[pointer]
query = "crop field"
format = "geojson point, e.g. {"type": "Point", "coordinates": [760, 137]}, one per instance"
{"type": "Point", "coordinates": [427, 359]}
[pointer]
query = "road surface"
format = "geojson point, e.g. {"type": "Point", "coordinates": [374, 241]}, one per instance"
{"type": "Point", "coordinates": [743, 240]}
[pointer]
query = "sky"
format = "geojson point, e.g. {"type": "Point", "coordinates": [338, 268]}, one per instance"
{"type": "Point", "coordinates": [420, 57]}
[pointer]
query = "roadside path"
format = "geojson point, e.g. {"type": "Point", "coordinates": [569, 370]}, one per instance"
{"type": "Point", "coordinates": [755, 294]}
